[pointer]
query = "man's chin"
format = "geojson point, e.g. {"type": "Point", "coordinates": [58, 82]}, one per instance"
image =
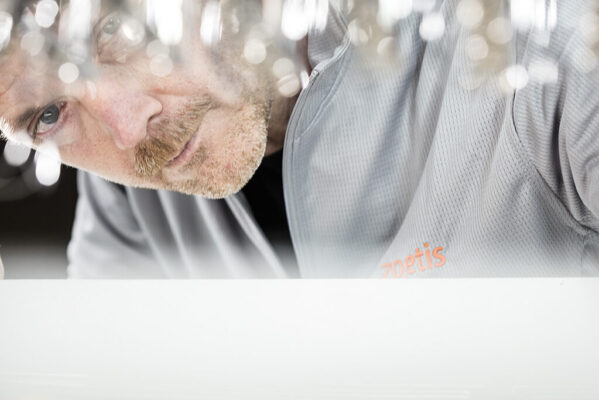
{"type": "Point", "coordinates": [214, 188]}
{"type": "Point", "coordinates": [213, 192]}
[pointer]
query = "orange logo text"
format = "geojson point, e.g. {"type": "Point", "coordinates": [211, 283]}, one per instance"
{"type": "Point", "coordinates": [419, 261]}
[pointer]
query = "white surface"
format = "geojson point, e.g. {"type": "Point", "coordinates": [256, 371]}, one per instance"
{"type": "Point", "coordinates": [430, 339]}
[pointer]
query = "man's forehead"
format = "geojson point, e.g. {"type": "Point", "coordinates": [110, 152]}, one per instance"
{"type": "Point", "coordinates": [33, 74]}
{"type": "Point", "coordinates": [11, 70]}
{"type": "Point", "coordinates": [17, 8]}
{"type": "Point", "coordinates": [12, 54]}
{"type": "Point", "coordinates": [11, 63]}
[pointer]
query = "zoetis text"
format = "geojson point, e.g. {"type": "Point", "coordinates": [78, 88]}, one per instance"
{"type": "Point", "coordinates": [419, 261]}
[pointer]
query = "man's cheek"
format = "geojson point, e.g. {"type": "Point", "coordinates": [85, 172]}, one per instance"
{"type": "Point", "coordinates": [68, 130]}
{"type": "Point", "coordinates": [98, 158]}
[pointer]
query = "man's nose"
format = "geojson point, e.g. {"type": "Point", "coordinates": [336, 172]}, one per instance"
{"type": "Point", "coordinates": [124, 110]}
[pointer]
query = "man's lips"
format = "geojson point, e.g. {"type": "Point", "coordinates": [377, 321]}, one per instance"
{"type": "Point", "coordinates": [192, 145]}
{"type": "Point", "coordinates": [186, 152]}
{"type": "Point", "coordinates": [171, 144]}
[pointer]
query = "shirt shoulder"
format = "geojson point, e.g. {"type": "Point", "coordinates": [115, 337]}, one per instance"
{"type": "Point", "coordinates": [554, 113]}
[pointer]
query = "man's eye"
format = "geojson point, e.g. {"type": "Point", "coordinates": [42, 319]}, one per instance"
{"type": "Point", "coordinates": [118, 36]}
{"type": "Point", "coordinates": [47, 119]}
{"type": "Point", "coordinates": [112, 24]}
{"type": "Point", "coordinates": [108, 27]}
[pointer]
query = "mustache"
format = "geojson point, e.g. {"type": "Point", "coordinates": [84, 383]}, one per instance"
{"type": "Point", "coordinates": [169, 135]}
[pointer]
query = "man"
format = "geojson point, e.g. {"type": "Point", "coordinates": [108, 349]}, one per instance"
{"type": "Point", "coordinates": [405, 168]}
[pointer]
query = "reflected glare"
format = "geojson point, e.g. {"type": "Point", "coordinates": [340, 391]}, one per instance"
{"type": "Point", "coordinates": [47, 164]}
{"type": "Point", "coordinates": [68, 72]}
{"type": "Point", "coordinates": [167, 18]}
{"type": "Point", "coordinates": [16, 154]}
{"type": "Point", "coordinates": [5, 29]}
{"type": "Point", "coordinates": [45, 13]}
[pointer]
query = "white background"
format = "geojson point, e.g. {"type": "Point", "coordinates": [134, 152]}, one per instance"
{"type": "Point", "coordinates": [325, 339]}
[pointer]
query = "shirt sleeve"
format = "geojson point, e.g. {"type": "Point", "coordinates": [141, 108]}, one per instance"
{"type": "Point", "coordinates": [107, 241]}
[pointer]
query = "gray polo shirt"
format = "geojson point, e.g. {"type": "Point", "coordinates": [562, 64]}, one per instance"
{"type": "Point", "coordinates": [391, 171]}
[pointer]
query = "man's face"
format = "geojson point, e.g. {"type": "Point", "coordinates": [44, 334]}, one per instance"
{"type": "Point", "coordinates": [201, 129]}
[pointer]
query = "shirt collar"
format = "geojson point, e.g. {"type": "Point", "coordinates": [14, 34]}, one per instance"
{"type": "Point", "coordinates": [324, 44]}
